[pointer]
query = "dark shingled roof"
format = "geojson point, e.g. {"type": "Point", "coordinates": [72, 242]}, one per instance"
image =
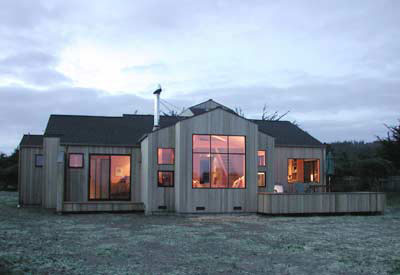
{"type": "Point", "coordinates": [128, 130]}
{"type": "Point", "coordinates": [31, 141]}
{"type": "Point", "coordinates": [286, 133]}
{"type": "Point", "coordinates": [99, 130]}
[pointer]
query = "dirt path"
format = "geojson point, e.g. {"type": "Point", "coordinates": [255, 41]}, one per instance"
{"type": "Point", "coordinates": [38, 241]}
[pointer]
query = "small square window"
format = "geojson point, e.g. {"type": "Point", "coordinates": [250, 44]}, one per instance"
{"type": "Point", "coordinates": [262, 158]}
{"type": "Point", "coordinates": [75, 161]}
{"type": "Point", "coordinates": [39, 160]}
{"type": "Point", "coordinates": [165, 178]}
{"type": "Point", "coordinates": [261, 179]}
{"type": "Point", "coordinates": [165, 156]}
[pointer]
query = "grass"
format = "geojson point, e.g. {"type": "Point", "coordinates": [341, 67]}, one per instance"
{"type": "Point", "coordinates": [36, 241]}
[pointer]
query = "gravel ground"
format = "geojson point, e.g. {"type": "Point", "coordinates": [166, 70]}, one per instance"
{"type": "Point", "coordinates": [38, 241]}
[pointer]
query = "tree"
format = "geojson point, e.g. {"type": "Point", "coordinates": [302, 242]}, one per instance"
{"type": "Point", "coordinates": [390, 149]}
{"type": "Point", "coordinates": [239, 111]}
{"type": "Point", "coordinates": [272, 116]}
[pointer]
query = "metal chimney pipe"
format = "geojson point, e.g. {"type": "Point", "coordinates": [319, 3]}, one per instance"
{"type": "Point", "coordinates": [157, 108]}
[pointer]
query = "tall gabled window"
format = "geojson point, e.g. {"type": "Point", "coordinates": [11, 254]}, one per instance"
{"type": "Point", "coordinates": [218, 161]}
{"type": "Point", "coordinates": [165, 156]}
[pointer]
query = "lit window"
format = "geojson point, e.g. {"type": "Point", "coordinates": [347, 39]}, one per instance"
{"type": "Point", "coordinates": [261, 158]}
{"type": "Point", "coordinates": [39, 160]}
{"type": "Point", "coordinates": [165, 179]}
{"type": "Point", "coordinates": [75, 161]}
{"type": "Point", "coordinates": [218, 161]}
{"type": "Point", "coordinates": [303, 170]}
{"type": "Point", "coordinates": [166, 156]}
{"type": "Point", "coordinates": [261, 179]}
{"type": "Point", "coordinates": [110, 177]}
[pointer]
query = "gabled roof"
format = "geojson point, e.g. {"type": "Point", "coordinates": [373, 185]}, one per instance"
{"type": "Point", "coordinates": [31, 141]}
{"type": "Point", "coordinates": [100, 130]}
{"type": "Point", "coordinates": [129, 130]}
{"type": "Point", "coordinates": [287, 133]}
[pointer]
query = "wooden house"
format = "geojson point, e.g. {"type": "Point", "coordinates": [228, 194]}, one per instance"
{"type": "Point", "coordinates": [206, 160]}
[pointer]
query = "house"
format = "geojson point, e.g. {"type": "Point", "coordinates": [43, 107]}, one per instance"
{"type": "Point", "coordinates": [206, 160]}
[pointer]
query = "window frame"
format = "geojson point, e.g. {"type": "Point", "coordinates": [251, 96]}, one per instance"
{"type": "Point", "coordinates": [265, 158]}
{"type": "Point", "coordinates": [109, 181]}
{"type": "Point", "coordinates": [227, 153]}
{"type": "Point", "coordinates": [76, 167]}
{"type": "Point", "coordinates": [173, 178]}
{"type": "Point", "coordinates": [173, 157]}
{"type": "Point", "coordinates": [318, 160]}
{"type": "Point", "coordinates": [36, 165]}
{"type": "Point", "coordinates": [265, 179]}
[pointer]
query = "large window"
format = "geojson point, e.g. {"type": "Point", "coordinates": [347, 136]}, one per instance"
{"type": "Point", "coordinates": [110, 177]}
{"type": "Point", "coordinates": [262, 158]}
{"type": "Point", "coordinates": [219, 161]}
{"type": "Point", "coordinates": [303, 170]}
{"type": "Point", "coordinates": [165, 156]}
{"type": "Point", "coordinates": [75, 161]}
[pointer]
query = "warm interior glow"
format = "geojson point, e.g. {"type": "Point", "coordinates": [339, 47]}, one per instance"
{"type": "Point", "coordinates": [261, 158]}
{"type": "Point", "coordinates": [165, 178]}
{"type": "Point", "coordinates": [110, 177]}
{"type": "Point", "coordinates": [222, 164]}
{"type": "Point", "coordinates": [166, 155]}
{"type": "Point", "coordinates": [303, 170]}
{"type": "Point", "coordinates": [261, 179]}
{"type": "Point", "coordinates": [75, 160]}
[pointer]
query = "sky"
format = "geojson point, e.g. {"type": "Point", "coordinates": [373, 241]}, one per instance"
{"type": "Point", "coordinates": [335, 65]}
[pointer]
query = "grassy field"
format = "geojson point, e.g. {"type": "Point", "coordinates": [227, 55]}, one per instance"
{"type": "Point", "coordinates": [37, 241]}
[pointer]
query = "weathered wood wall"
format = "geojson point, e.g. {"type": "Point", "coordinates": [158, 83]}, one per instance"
{"type": "Point", "coordinates": [30, 178]}
{"type": "Point", "coordinates": [77, 179]}
{"type": "Point", "coordinates": [102, 206]}
{"type": "Point", "coordinates": [157, 199]}
{"type": "Point", "coordinates": [321, 203]}
{"type": "Point", "coordinates": [282, 154]}
{"type": "Point", "coordinates": [267, 144]}
{"type": "Point", "coordinates": [51, 148]}
{"type": "Point", "coordinates": [214, 200]}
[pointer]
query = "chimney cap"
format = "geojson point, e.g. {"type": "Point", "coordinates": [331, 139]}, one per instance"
{"type": "Point", "coordinates": [158, 91]}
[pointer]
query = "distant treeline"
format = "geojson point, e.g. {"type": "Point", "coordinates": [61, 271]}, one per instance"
{"type": "Point", "coordinates": [9, 171]}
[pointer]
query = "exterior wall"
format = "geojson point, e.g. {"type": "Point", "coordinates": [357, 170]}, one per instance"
{"type": "Point", "coordinates": [214, 200]}
{"type": "Point", "coordinates": [30, 178]}
{"type": "Point", "coordinates": [51, 147]}
{"type": "Point", "coordinates": [282, 154]}
{"type": "Point", "coordinates": [157, 198]}
{"type": "Point", "coordinates": [76, 181]}
{"type": "Point", "coordinates": [267, 144]}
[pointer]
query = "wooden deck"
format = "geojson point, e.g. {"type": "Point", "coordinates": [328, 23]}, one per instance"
{"type": "Point", "coordinates": [321, 203]}
{"type": "Point", "coordinates": [102, 206]}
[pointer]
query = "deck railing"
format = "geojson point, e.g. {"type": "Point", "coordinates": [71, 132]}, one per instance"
{"type": "Point", "coordinates": [321, 203]}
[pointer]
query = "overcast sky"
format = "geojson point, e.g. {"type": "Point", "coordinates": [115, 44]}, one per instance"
{"type": "Point", "coordinates": [334, 64]}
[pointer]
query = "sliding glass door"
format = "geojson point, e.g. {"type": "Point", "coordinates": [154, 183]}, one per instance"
{"type": "Point", "coordinates": [110, 177]}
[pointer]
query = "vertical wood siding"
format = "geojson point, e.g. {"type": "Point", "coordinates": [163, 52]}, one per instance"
{"type": "Point", "coordinates": [77, 179]}
{"type": "Point", "coordinates": [282, 154]}
{"type": "Point", "coordinates": [157, 199]}
{"type": "Point", "coordinates": [30, 178]}
{"type": "Point", "coordinates": [51, 147]}
{"type": "Point", "coordinates": [267, 144]}
{"type": "Point", "coordinates": [188, 199]}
